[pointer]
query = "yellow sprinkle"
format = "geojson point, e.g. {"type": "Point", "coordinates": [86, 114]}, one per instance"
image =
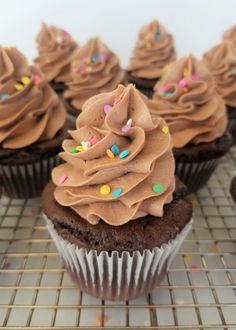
{"type": "Point", "coordinates": [7, 47]}
{"type": "Point", "coordinates": [25, 80]}
{"type": "Point", "coordinates": [79, 148]}
{"type": "Point", "coordinates": [187, 258]}
{"type": "Point", "coordinates": [105, 190]}
{"type": "Point", "coordinates": [19, 87]}
{"type": "Point", "coordinates": [185, 72]}
{"type": "Point", "coordinates": [165, 129]}
{"type": "Point", "coordinates": [110, 154]}
{"type": "Point", "coordinates": [148, 45]}
{"type": "Point", "coordinates": [88, 60]}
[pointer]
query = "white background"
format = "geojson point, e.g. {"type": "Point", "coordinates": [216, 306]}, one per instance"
{"type": "Point", "coordinates": [196, 24]}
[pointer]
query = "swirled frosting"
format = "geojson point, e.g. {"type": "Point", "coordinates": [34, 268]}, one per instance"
{"type": "Point", "coordinates": [55, 48]}
{"type": "Point", "coordinates": [187, 99]}
{"type": "Point", "coordinates": [95, 69]}
{"type": "Point", "coordinates": [230, 35]}
{"type": "Point", "coordinates": [28, 105]}
{"type": "Point", "coordinates": [149, 161]}
{"type": "Point", "coordinates": [221, 61]}
{"type": "Point", "coordinates": [154, 49]}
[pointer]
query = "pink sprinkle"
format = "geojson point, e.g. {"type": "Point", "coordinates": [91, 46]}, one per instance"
{"type": "Point", "coordinates": [162, 89]}
{"type": "Point", "coordinates": [107, 108]}
{"type": "Point", "coordinates": [94, 140]}
{"type": "Point", "coordinates": [83, 72]}
{"type": "Point", "coordinates": [195, 77]}
{"type": "Point", "coordinates": [36, 79]}
{"type": "Point", "coordinates": [193, 266]}
{"type": "Point", "coordinates": [105, 57]}
{"type": "Point", "coordinates": [63, 178]}
{"type": "Point", "coordinates": [117, 100]}
{"type": "Point", "coordinates": [125, 128]}
{"type": "Point", "coordinates": [182, 83]}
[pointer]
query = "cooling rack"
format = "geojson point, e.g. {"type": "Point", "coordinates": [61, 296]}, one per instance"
{"type": "Point", "coordinates": [199, 291]}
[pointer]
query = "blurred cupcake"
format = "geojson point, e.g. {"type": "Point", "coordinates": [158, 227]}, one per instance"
{"type": "Point", "coordinates": [195, 113]}
{"type": "Point", "coordinates": [32, 126]}
{"type": "Point", "coordinates": [95, 69]}
{"type": "Point", "coordinates": [221, 61]}
{"type": "Point", "coordinates": [230, 35]}
{"type": "Point", "coordinates": [55, 50]}
{"type": "Point", "coordinates": [233, 189]}
{"type": "Point", "coordinates": [114, 183]}
{"type": "Point", "coordinates": [154, 49]}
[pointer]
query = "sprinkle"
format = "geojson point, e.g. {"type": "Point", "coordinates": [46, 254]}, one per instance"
{"type": "Point", "coordinates": [110, 154]}
{"type": "Point", "coordinates": [117, 192]}
{"type": "Point", "coordinates": [79, 148]}
{"type": "Point", "coordinates": [195, 77]}
{"type": "Point", "coordinates": [36, 79]}
{"type": "Point", "coordinates": [162, 89]}
{"type": "Point", "coordinates": [101, 320]}
{"type": "Point", "coordinates": [148, 45]}
{"type": "Point", "coordinates": [127, 126]}
{"type": "Point", "coordinates": [169, 94]}
{"type": "Point", "coordinates": [105, 190]}
{"type": "Point", "coordinates": [162, 94]}
{"type": "Point", "coordinates": [185, 72]}
{"type": "Point", "coordinates": [158, 36]}
{"type": "Point", "coordinates": [165, 129]}
{"type": "Point", "coordinates": [94, 140]}
{"type": "Point", "coordinates": [4, 97]}
{"type": "Point", "coordinates": [19, 87]}
{"type": "Point", "coordinates": [25, 80]}
{"type": "Point", "coordinates": [83, 72]}
{"type": "Point", "coordinates": [85, 145]}
{"type": "Point", "coordinates": [157, 188]}
{"type": "Point", "coordinates": [107, 108]}
{"type": "Point", "coordinates": [93, 59]}
{"type": "Point", "coordinates": [193, 266]}
{"type": "Point", "coordinates": [87, 61]}
{"type": "Point", "coordinates": [115, 149]}
{"type": "Point", "coordinates": [185, 90]}
{"type": "Point", "coordinates": [187, 258]}
{"type": "Point", "coordinates": [63, 178]}
{"type": "Point", "coordinates": [182, 83]}
{"type": "Point", "coordinates": [73, 150]}
{"type": "Point", "coordinates": [124, 154]}
{"type": "Point", "coordinates": [117, 100]}
{"type": "Point", "coordinates": [105, 57]}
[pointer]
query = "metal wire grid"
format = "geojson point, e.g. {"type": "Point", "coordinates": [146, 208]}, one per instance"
{"type": "Point", "coordinates": [199, 292]}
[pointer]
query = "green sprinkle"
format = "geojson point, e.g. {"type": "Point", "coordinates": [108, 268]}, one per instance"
{"type": "Point", "coordinates": [73, 150]}
{"type": "Point", "coordinates": [157, 188]}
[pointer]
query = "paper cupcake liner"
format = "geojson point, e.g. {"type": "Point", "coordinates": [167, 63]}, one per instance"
{"type": "Point", "coordinates": [27, 180]}
{"type": "Point", "coordinates": [117, 277]}
{"type": "Point", "coordinates": [195, 175]}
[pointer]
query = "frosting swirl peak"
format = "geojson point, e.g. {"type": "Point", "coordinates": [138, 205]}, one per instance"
{"type": "Point", "coordinates": [187, 99]}
{"type": "Point", "coordinates": [28, 105]}
{"type": "Point", "coordinates": [154, 49]}
{"type": "Point", "coordinates": [120, 173]}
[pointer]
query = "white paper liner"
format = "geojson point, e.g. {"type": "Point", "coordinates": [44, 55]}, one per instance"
{"type": "Point", "coordinates": [117, 277]}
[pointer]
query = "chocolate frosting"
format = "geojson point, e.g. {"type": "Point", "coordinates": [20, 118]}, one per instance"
{"type": "Point", "coordinates": [150, 161]}
{"type": "Point", "coordinates": [187, 99]}
{"type": "Point", "coordinates": [154, 49]}
{"type": "Point", "coordinates": [95, 69]}
{"type": "Point", "coordinates": [28, 105]}
{"type": "Point", "coordinates": [230, 35]}
{"type": "Point", "coordinates": [55, 48]}
{"type": "Point", "coordinates": [221, 61]}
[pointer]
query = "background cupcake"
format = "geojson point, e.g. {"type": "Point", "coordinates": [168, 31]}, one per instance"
{"type": "Point", "coordinates": [55, 50]}
{"type": "Point", "coordinates": [114, 183]}
{"type": "Point", "coordinates": [32, 126]}
{"type": "Point", "coordinates": [95, 69]}
{"type": "Point", "coordinates": [221, 61]}
{"type": "Point", "coordinates": [195, 113]}
{"type": "Point", "coordinates": [154, 49]}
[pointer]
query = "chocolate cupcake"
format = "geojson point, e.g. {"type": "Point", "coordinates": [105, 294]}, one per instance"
{"type": "Point", "coordinates": [195, 113]}
{"type": "Point", "coordinates": [55, 50]}
{"type": "Point", "coordinates": [154, 49]}
{"type": "Point", "coordinates": [221, 61]}
{"type": "Point", "coordinates": [114, 183]}
{"type": "Point", "coordinates": [233, 189]}
{"type": "Point", "coordinates": [95, 69]}
{"type": "Point", "coordinates": [32, 126]}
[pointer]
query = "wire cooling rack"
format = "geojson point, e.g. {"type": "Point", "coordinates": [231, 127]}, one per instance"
{"type": "Point", "coordinates": [199, 292]}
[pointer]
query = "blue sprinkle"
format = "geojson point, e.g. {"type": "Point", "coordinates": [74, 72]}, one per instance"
{"type": "Point", "coordinates": [124, 153]}
{"type": "Point", "coordinates": [117, 192]}
{"type": "Point", "coordinates": [169, 94]}
{"type": "Point", "coordinates": [158, 36]}
{"type": "Point", "coordinates": [93, 59]}
{"type": "Point", "coordinates": [4, 96]}
{"type": "Point", "coordinates": [115, 150]}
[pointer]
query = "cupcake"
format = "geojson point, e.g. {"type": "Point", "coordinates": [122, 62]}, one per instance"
{"type": "Point", "coordinates": [221, 61]}
{"type": "Point", "coordinates": [195, 113]}
{"type": "Point", "coordinates": [32, 126]}
{"type": "Point", "coordinates": [55, 50]}
{"type": "Point", "coordinates": [154, 50]}
{"type": "Point", "coordinates": [95, 69]}
{"type": "Point", "coordinates": [114, 183]}
{"type": "Point", "coordinates": [233, 189]}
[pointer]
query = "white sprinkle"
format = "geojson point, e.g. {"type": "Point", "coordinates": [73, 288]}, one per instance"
{"type": "Point", "coordinates": [85, 145]}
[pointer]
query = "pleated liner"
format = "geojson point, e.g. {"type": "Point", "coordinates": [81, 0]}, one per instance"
{"type": "Point", "coordinates": [195, 175]}
{"type": "Point", "coordinates": [117, 277]}
{"type": "Point", "coordinates": [27, 180]}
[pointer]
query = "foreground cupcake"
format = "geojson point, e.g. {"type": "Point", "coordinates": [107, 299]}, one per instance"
{"type": "Point", "coordinates": [187, 99]}
{"type": "Point", "coordinates": [154, 49]}
{"type": "Point", "coordinates": [114, 209]}
{"type": "Point", "coordinates": [55, 50]}
{"type": "Point", "coordinates": [221, 61]}
{"type": "Point", "coordinates": [95, 69]}
{"type": "Point", "coordinates": [32, 128]}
